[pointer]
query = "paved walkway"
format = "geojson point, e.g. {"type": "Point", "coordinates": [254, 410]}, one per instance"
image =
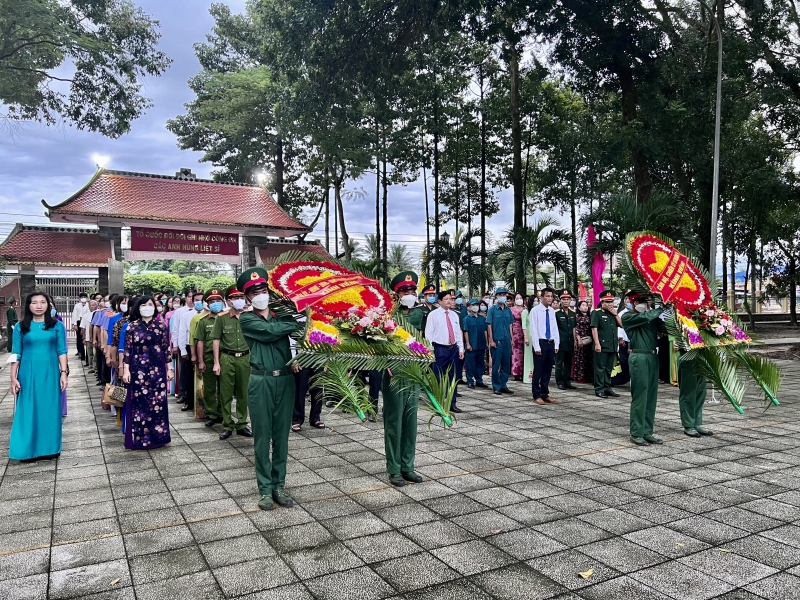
{"type": "Point", "coordinates": [519, 501]}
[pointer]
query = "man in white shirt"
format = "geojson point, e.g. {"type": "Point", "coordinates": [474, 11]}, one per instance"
{"type": "Point", "coordinates": [180, 341]}
{"type": "Point", "coordinates": [546, 341]}
{"type": "Point", "coordinates": [81, 308]}
{"type": "Point", "coordinates": [85, 329]}
{"type": "Point", "coordinates": [443, 331]}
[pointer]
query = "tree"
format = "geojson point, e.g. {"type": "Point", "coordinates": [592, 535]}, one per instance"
{"type": "Point", "coordinates": [82, 61]}
{"type": "Point", "coordinates": [399, 259]}
{"type": "Point", "coordinates": [455, 256]}
{"type": "Point", "coordinates": [535, 246]}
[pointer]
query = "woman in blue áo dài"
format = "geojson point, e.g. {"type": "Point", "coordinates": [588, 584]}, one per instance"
{"type": "Point", "coordinates": [37, 379]}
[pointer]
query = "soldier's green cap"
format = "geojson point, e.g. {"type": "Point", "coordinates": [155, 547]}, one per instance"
{"type": "Point", "coordinates": [231, 289]}
{"type": "Point", "coordinates": [251, 277]}
{"type": "Point", "coordinates": [214, 292]}
{"type": "Point", "coordinates": [12, 298]}
{"type": "Point", "coordinates": [404, 279]}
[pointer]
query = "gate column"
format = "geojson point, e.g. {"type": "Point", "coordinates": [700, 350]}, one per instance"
{"type": "Point", "coordinates": [27, 281]}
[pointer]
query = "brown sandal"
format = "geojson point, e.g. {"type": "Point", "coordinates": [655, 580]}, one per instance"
{"type": "Point", "coordinates": [318, 425]}
{"type": "Point", "coordinates": [539, 401]}
{"type": "Point", "coordinates": [296, 427]}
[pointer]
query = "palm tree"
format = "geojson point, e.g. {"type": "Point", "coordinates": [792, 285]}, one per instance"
{"type": "Point", "coordinates": [455, 257]}
{"type": "Point", "coordinates": [373, 251]}
{"type": "Point", "coordinates": [399, 258]}
{"type": "Point", "coordinates": [531, 247]}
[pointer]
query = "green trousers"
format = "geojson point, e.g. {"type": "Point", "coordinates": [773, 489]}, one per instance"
{"type": "Point", "coordinates": [644, 393]}
{"type": "Point", "coordinates": [10, 334]}
{"type": "Point", "coordinates": [211, 403]}
{"type": "Point", "coordinates": [692, 395]}
{"type": "Point", "coordinates": [603, 365]}
{"type": "Point", "coordinates": [271, 402]}
{"type": "Point", "coordinates": [399, 426]}
{"type": "Point", "coordinates": [233, 379]}
{"type": "Point", "coordinates": [564, 365]}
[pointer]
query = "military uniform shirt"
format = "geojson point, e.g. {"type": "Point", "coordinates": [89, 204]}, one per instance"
{"type": "Point", "coordinates": [268, 340]}
{"type": "Point", "coordinates": [202, 333]}
{"type": "Point", "coordinates": [500, 319]}
{"type": "Point", "coordinates": [475, 327]}
{"type": "Point", "coordinates": [418, 316]}
{"type": "Point", "coordinates": [606, 325]}
{"type": "Point", "coordinates": [642, 328]}
{"type": "Point", "coordinates": [228, 330]}
{"type": "Point", "coordinates": [566, 321]}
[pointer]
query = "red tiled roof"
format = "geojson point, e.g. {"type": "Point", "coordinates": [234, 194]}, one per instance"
{"type": "Point", "coordinates": [57, 246]}
{"type": "Point", "coordinates": [119, 194]}
{"type": "Point", "coordinates": [274, 249]}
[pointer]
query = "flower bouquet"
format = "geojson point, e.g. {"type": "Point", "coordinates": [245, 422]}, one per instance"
{"type": "Point", "coordinates": [351, 328]}
{"type": "Point", "coordinates": [705, 333]}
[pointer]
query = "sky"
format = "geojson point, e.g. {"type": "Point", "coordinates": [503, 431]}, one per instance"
{"type": "Point", "coordinates": [52, 163]}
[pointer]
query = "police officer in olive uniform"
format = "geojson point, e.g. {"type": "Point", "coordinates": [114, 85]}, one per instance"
{"type": "Point", "coordinates": [604, 325]}
{"type": "Point", "coordinates": [205, 353]}
{"type": "Point", "coordinates": [419, 318]}
{"type": "Point", "coordinates": [692, 397]}
{"type": "Point", "coordinates": [232, 365]}
{"type": "Point", "coordinates": [400, 406]}
{"type": "Point", "coordinates": [566, 320]}
{"type": "Point", "coordinates": [270, 392]}
{"type": "Point", "coordinates": [642, 327]}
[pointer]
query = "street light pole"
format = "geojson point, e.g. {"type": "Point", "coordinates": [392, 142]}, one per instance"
{"type": "Point", "coordinates": [712, 251]}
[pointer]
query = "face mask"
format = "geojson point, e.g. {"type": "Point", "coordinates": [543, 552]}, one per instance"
{"type": "Point", "coordinates": [147, 311]}
{"type": "Point", "coordinates": [572, 304]}
{"type": "Point", "coordinates": [159, 308]}
{"type": "Point", "coordinates": [518, 301]}
{"type": "Point", "coordinates": [123, 307]}
{"type": "Point", "coordinates": [238, 303]}
{"type": "Point", "coordinates": [501, 299]}
{"type": "Point", "coordinates": [107, 304]}
{"type": "Point", "coordinates": [473, 308]}
{"type": "Point", "coordinates": [83, 301]}
{"type": "Point", "coordinates": [628, 305]}
{"type": "Point", "coordinates": [459, 301]}
{"type": "Point", "coordinates": [408, 300]}
{"type": "Point", "coordinates": [260, 302]}
{"type": "Point", "coordinates": [163, 301]}
{"type": "Point", "coordinates": [431, 299]}
{"type": "Point", "coordinates": [484, 308]}
{"type": "Point", "coordinates": [640, 308]}
{"type": "Point", "coordinates": [52, 312]}
{"type": "Point", "coordinates": [198, 306]}
{"type": "Point", "coordinates": [215, 307]}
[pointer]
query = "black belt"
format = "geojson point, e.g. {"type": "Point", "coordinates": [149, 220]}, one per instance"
{"type": "Point", "coordinates": [547, 341]}
{"type": "Point", "coordinates": [445, 345]}
{"type": "Point", "coordinates": [276, 373]}
{"type": "Point", "coordinates": [637, 351]}
{"type": "Point", "coordinates": [234, 354]}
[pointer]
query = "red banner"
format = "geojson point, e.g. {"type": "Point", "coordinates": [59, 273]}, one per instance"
{"type": "Point", "coordinates": [146, 239]}
{"type": "Point", "coordinates": [316, 291]}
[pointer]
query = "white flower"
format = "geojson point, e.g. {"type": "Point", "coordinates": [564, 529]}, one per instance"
{"type": "Point", "coordinates": [719, 330]}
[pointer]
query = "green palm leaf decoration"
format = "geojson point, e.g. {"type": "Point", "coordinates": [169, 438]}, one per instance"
{"type": "Point", "coordinates": [714, 365]}
{"type": "Point", "coordinates": [341, 385]}
{"type": "Point", "coordinates": [437, 392]}
{"type": "Point", "coordinates": [766, 373]}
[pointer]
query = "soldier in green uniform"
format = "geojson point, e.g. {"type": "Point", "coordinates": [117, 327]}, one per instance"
{"type": "Point", "coordinates": [642, 327]}
{"type": "Point", "coordinates": [692, 397]}
{"type": "Point", "coordinates": [419, 318]}
{"type": "Point", "coordinates": [566, 320]}
{"type": "Point", "coordinates": [270, 392]}
{"type": "Point", "coordinates": [11, 320]}
{"type": "Point", "coordinates": [232, 365]}
{"type": "Point", "coordinates": [205, 355]}
{"type": "Point", "coordinates": [604, 325]}
{"type": "Point", "coordinates": [400, 406]}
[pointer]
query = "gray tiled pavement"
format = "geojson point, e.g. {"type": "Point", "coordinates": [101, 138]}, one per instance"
{"type": "Point", "coordinates": [518, 500]}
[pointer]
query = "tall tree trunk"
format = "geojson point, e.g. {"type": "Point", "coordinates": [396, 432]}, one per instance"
{"type": "Point", "coordinates": [724, 255]}
{"type": "Point", "coordinates": [641, 169]}
{"type": "Point", "coordinates": [427, 226]}
{"type": "Point", "coordinates": [484, 284]}
{"type": "Point", "coordinates": [516, 148]}
{"type": "Point", "coordinates": [377, 191]}
{"type": "Point", "coordinates": [327, 210]}
{"type": "Point", "coordinates": [337, 188]}
{"type": "Point", "coordinates": [385, 183]}
{"type": "Point", "coordinates": [469, 238]}
{"type": "Point", "coordinates": [279, 166]}
{"type": "Point", "coordinates": [456, 179]}
{"type": "Point", "coordinates": [525, 174]}
{"type": "Point", "coordinates": [733, 264]}
{"type": "Point", "coordinates": [573, 218]}
{"type": "Point", "coordinates": [437, 268]}
{"type": "Point", "coordinates": [793, 292]}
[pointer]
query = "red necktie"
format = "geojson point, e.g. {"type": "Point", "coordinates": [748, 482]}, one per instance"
{"type": "Point", "coordinates": [451, 336]}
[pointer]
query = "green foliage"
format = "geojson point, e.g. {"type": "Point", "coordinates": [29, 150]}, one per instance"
{"type": "Point", "coordinates": [148, 284]}
{"type": "Point", "coordinates": [82, 61]}
{"type": "Point", "coordinates": [342, 385]}
{"type": "Point", "coordinates": [437, 392]}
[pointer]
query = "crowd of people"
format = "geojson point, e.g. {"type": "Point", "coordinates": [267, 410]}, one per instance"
{"type": "Point", "coordinates": [213, 346]}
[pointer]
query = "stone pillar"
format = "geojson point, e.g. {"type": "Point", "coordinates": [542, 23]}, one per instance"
{"type": "Point", "coordinates": [114, 235]}
{"type": "Point", "coordinates": [102, 280]}
{"type": "Point", "coordinates": [731, 300]}
{"type": "Point", "coordinates": [785, 305]}
{"type": "Point", "coordinates": [249, 245]}
{"type": "Point", "coordinates": [27, 281]}
{"type": "Point", "coordinates": [759, 306]}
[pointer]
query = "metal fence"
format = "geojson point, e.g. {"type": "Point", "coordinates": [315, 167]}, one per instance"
{"type": "Point", "coordinates": [65, 292]}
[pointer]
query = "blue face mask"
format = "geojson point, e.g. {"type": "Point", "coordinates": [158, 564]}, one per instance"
{"type": "Point", "coordinates": [432, 299]}
{"type": "Point", "coordinates": [215, 307]}
{"type": "Point", "coordinates": [502, 299]}
{"type": "Point", "coordinates": [459, 301]}
{"type": "Point", "coordinates": [52, 312]}
{"type": "Point", "coordinates": [198, 306]}
{"type": "Point", "coordinates": [163, 301]}
{"type": "Point", "coordinates": [629, 306]}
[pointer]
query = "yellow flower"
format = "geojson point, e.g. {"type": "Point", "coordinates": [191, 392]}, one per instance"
{"type": "Point", "coordinates": [324, 327]}
{"type": "Point", "coordinates": [312, 278]}
{"type": "Point", "coordinates": [402, 334]}
{"type": "Point", "coordinates": [349, 296]}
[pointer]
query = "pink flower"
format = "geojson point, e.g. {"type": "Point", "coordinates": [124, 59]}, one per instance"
{"type": "Point", "coordinates": [710, 312]}
{"type": "Point", "coordinates": [364, 321]}
{"type": "Point", "coordinates": [719, 330]}
{"type": "Point", "coordinates": [388, 325]}
{"type": "Point", "coordinates": [418, 348]}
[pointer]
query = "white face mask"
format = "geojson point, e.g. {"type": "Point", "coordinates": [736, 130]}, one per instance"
{"type": "Point", "coordinates": [260, 302]}
{"type": "Point", "coordinates": [107, 304]}
{"type": "Point", "coordinates": [147, 311]}
{"type": "Point", "coordinates": [123, 307]}
{"type": "Point", "coordinates": [519, 301]}
{"type": "Point", "coordinates": [83, 300]}
{"type": "Point", "coordinates": [158, 308]}
{"type": "Point", "coordinates": [474, 308]}
{"type": "Point", "coordinates": [572, 304]}
{"type": "Point", "coordinates": [640, 308]}
{"type": "Point", "coordinates": [409, 300]}
{"type": "Point", "coordinates": [238, 303]}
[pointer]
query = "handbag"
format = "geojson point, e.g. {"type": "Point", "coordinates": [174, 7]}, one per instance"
{"type": "Point", "coordinates": [586, 340]}
{"type": "Point", "coordinates": [115, 395]}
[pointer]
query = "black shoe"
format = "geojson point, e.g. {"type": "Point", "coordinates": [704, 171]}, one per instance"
{"type": "Point", "coordinates": [460, 382]}
{"type": "Point", "coordinates": [397, 480]}
{"type": "Point", "coordinates": [212, 422]}
{"type": "Point", "coordinates": [412, 477]}
{"type": "Point", "coordinates": [225, 435]}
{"type": "Point", "coordinates": [601, 395]}
{"type": "Point", "coordinates": [371, 418]}
{"type": "Point", "coordinates": [471, 386]}
{"type": "Point", "coordinates": [455, 409]}
{"type": "Point", "coordinates": [458, 395]}
{"type": "Point", "coordinates": [246, 432]}
{"type": "Point", "coordinates": [569, 386]}
{"type": "Point", "coordinates": [480, 384]}
{"type": "Point", "coordinates": [561, 386]}
{"type": "Point", "coordinates": [613, 394]}
{"type": "Point", "coordinates": [282, 498]}
{"type": "Point", "coordinates": [497, 392]}
{"type": "Point", "coordinates": [505, 391]}
{"type": "Point", "coordinates": [187, 407]}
